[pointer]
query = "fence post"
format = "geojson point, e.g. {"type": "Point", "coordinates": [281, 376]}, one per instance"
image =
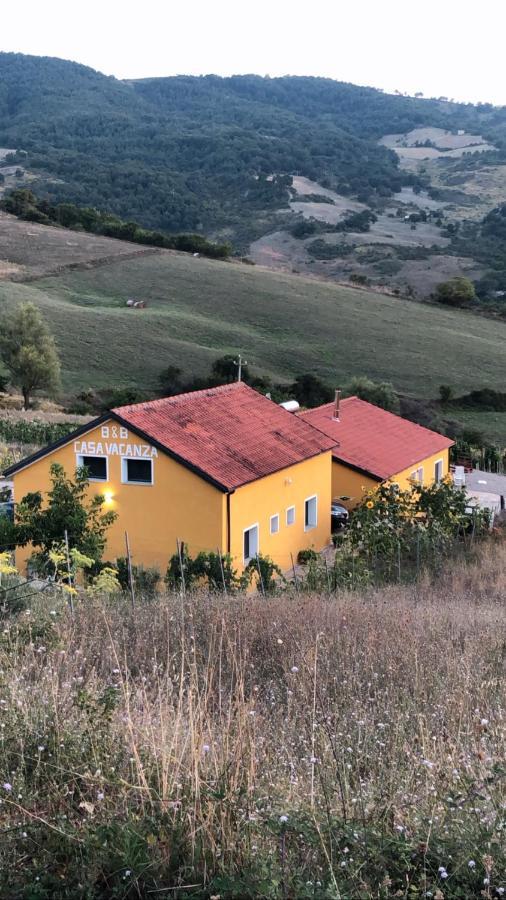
{"type": "Point", "coordinates": [222, 570]}
{"type": "Point", "coordinates": [260, 576]}
{"type": "Point", "coordinates": [181, 568]}
{"type": "Point", "coordinates": [295, 579]}
{"type": "Point", "coordinates": [67, 553]}
{"type": "Point", "coordinates": [130, 573]}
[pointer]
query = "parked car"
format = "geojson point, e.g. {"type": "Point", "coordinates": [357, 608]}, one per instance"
{"type": "Point", "coordinates": [339, 515]}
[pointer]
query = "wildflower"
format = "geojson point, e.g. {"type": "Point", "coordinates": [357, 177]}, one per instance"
{"type": "Point", "coordinates": [471, 864]}
{"type": "Point", "coordinates": [294, 669]}
{"type": "Point", "coordinates": [280, 641]}
{"type": "Point", "coordinates": [442, 872]}
{"type": "Point", "coordinates": [483, 722]}
{"type": "Point", "coordinates": [500, 891]}
{"type": "Point", "coordinates": [369, 504]}
{"type": "Point", "coordinates": [206, 748]}
{"type": "Point", "coordinates": [100, 795]}
{"type": "Point", "coordinates": [283, 819]}
{"type": "Point", "coordinates": [6, 786]}
{"type": "Point", "coordinates": [427, 763]}
{"type": "Point", "coordinates": [40, 748]}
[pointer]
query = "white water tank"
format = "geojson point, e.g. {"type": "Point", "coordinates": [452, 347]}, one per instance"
{"type": "Point", "coordinates": [290, 405]}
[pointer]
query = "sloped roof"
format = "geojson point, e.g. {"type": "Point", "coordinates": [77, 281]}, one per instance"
{"type": "Point", "coordinates": [230, 434]}
{"type": "Point", "coordinates": [373, 440]}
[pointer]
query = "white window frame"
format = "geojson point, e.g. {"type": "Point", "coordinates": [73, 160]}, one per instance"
{"type": "Point", "coordinates": [290, 509]}
{"type": "Point", "coordinates": [246, 560]}
{"type": "Point", "coordinates": [124, 471]}
{"type": "Point", "coordinates": [417, 475]}
{"type": "Point", "coordinates": [274, 519]}
{"type": "Point", "coordinates": [306, 501]}
{"type": "Point", "coordinates": [80, 464]}
{"type": "Point", "coordinates": [439, 462]}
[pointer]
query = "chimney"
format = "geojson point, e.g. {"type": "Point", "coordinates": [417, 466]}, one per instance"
{"type": "Point", "coordinates": [337, 400]}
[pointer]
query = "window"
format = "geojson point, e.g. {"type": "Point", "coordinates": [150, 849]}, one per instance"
{"type": "Point", "coordinates": [290, 515]}
{"type": "Point", "coordinates": [438, 471]}
{"type": "Point", "coordinates": [310, 513]}
{"type": "Point", "coordinates": [275, 524]}
{"type": "Point", "coordinates": [96, 465]}
{"type": "Point", "coordinates": [417, 475]}
{"type": "Point", "coordinates": [136, 471]}
{"type": "Point", "coordinates": [250, 543]}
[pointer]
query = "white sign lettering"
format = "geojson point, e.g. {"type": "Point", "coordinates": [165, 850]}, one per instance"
{"type": "Point", "coordinates": [108, 448]}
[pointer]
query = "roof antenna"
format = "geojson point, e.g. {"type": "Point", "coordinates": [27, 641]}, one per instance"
{"type": "Point", "coordinates": [240, 362]}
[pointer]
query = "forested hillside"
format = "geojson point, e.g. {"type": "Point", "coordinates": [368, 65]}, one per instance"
{"type": "Point", "coordinates": [195, 153]}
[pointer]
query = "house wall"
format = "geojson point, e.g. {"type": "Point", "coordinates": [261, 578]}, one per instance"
{"type": "Point", "coordinates": [255, 503]}
{"type": "Point", "coordinates": [179, 504]}
{"type": "Point", "coordinates": [348, 482]}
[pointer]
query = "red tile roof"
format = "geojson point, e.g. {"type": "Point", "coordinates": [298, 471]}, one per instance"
{"type": "Point", "coordinates": [373, 440]}
{"type": "Point", "coordinates": [230, 435]}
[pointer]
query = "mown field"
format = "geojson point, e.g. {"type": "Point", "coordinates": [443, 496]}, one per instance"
{"type": "Point", "coordinates": [338, 747]}
{"type": "Point", "coordinates": [285, 324]}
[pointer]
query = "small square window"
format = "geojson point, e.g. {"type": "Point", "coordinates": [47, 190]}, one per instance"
{"type": "Point", "coordinates": [275, 524]}
{"type": "Point", "coordinates": [310, 513]}
{"type": "Point", "coordinates": [290, 515]}
{"type": "Point", "coordinates": [137, 471]}
{"type": "Point", "coordinates": [96, 467]}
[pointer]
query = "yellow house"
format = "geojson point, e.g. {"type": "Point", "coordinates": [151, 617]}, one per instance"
{"type": "Point", "coordinates": [373, 446]}
{"type": "Point", "coordinates": [220, 469]}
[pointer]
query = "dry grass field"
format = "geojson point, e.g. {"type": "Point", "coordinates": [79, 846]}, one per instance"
{"type": "Point", "coordinates": [303, 746]}
{"type": "Point", "coordinates": [28, 250]}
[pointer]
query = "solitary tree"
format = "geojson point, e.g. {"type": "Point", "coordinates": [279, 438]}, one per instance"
{"type": "Point", "coordinates": [28, 351]}
{"type": "Point", "coordinates": [457, 291]}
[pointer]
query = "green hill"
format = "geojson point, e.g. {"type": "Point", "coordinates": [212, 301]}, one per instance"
{"type": "Point", "coordinates": [284, 324]}
{"type": "Point", "coordinates": [195, 153]}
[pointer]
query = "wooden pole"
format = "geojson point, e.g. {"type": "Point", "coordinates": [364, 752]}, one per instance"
{"type": "Point", "coordinates": [260, 576]}
{"type": "Point", "coordinates": [222, 570]}
{"type": "Point", "coordinates": [130, 573]}
{"type": "Point", "coordinates": [181, 567]}
{"type": "Point", "coordinates": [69, 572]}
{"type": "Point", "coordinates": [296, 581]}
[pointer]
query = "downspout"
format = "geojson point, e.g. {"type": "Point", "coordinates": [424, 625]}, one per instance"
{"type": "Point", "coordinates": [228, 523]}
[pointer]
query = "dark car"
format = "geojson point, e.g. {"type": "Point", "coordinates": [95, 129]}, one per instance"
{"type": "Point", "coordinates": [339, 515]}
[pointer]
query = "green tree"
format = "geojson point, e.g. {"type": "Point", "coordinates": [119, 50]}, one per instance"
{"type": "Point", "coordinates": [225, 370]}
{"type": "Point", "coordinates": [170, 381]}
{"type": "Point", "coordinates": [67, 508]}
{"type": "Point", "coordinates": [311, 391]}
{"type": "Point", "coordinates": [28, 351]}
{"type": "Point", "coordinates": [445, 393]}
{"type": "Point", "coordinates": [458, 291]}
{"type": "Point", "coordinates": [379, 393]}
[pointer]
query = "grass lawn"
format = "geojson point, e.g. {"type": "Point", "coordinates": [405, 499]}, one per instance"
{"type": "Point", "coordinates": [283, 324]}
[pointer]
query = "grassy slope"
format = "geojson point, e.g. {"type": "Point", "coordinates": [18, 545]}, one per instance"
{"type": "Point", "coordinates": [284, 324]}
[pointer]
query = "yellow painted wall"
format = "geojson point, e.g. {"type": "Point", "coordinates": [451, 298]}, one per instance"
{"type": "Point", "coordinates": [347, 482]}
{"type": "Point", "coordinates": [178, 505]}
{"type": "Point", "coordinates": [255, 503]}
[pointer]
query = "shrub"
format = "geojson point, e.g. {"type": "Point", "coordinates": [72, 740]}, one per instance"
{"type": "Point", "coordinates": [457, 291]}
{"type": "Point", "coordinates": [379, 393]}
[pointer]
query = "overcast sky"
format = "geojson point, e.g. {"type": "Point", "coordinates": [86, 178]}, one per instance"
{"type": "Point", "coordinates": [453, 48]}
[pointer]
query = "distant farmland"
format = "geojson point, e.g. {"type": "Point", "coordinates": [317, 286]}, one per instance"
{"type": "Point", "coordinates": [285, 325]}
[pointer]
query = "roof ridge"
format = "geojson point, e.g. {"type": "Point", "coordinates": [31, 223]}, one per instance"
{"type": "Point", "coordinates": [177, 398]}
